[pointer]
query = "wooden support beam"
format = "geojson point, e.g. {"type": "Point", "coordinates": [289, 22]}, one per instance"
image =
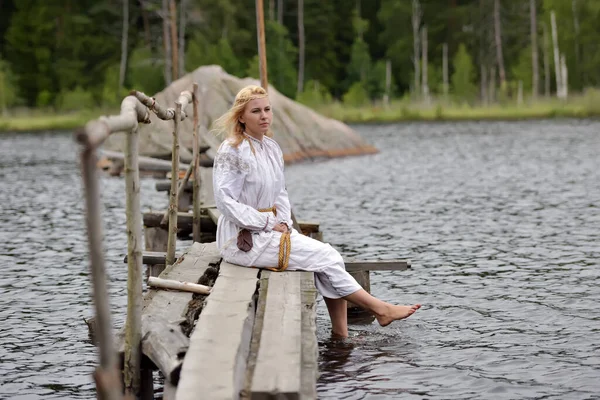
{"type": "Point", "coordinates": [145, 163]}
{"type": "Point", "coordinates": [387, 265]}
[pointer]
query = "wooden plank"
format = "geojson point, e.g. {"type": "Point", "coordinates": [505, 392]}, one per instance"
{"type": "Point", "coordinates": [278, 365]}
{"type": "Point", "coordinates": [165, 313]}
{"type": "Point", "coordinates": [214, 214]}
{"type": "Point", "coordinates": [215, 364]}
{"type": "Point", "coordinates": [152, 219]}
{"type": "Point", "coordinates": [145, 163]}
{"type": "Point", "coordinates": [310, 349]}
{"type": "Point", "coordinates": [386, 265]}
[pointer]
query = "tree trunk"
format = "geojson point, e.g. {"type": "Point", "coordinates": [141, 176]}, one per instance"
{"type": "Point", "coordinates": [534, 51]}
{"type": "Point", "coordinates": [146, 23]}
{"type": "Point", "coordinates": [416, 24]}
{"type": "Point", "coordinates": [493, 84]}
{"type": "Point", "coordinates": [280, 12]}
{"type": "Point", "coordinates": [182, 22]}
{"type": "Point", "coordinates": [520, 93]}
{"type": "Point", "coordinates": [124, 36]}
{"type": "Point", "coordinates": [445, 70]}
{"type": "Point", "coordinates": [424, 66]}
{"type": "Point", "coordinates": [166, 42]}
{"type": "Point", "coordinates": [498, 36]}
{"type": "Point", "coordinates": [271, 10]}
{"type": "Point", "coordinates": [577, 53]}
{"type": "Point", "coordinates": [174, 48]}
{"type": "Point", "coordinates": [564, 76]}
{"type": "Point", "coordinates": [388, 82]}
{"type": "Point", "coordinates": [557, 71]}
{"type": "Point", "coordinates": [546, 49]}
{"type": "Point", "coordinates": [300, 87]}
{"type": "Point", "coordinates": [483, 46]}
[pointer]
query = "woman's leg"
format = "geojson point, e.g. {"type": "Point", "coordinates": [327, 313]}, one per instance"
{"type": "Point", "coordinates": [338, 313]}
{"type": "Point", "coordinates": [385, 313]}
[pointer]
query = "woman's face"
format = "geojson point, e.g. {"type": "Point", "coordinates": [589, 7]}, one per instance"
{"type": "Point", "coordinates": [257, 116]}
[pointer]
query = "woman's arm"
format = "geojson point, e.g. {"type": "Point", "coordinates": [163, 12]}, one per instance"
{"type": "Point", "coordinates": [229, 173]}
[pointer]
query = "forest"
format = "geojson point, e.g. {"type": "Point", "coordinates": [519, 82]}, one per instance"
{"type": "Point", "coordinates": [66, 55]}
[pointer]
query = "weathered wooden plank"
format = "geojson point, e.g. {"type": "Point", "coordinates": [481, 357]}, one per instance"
{"type": "Point", "coordinates": [165, 313]}
{"type": "Point", "coordinates": [278, 364]}
{"type": "Point", "coordinates": [310, 349]}
{"type": "Point", "coordinates": [214, 214]}
{"type": "Point", "coordinates": [215, 364]}
{"type": "Point", "coordinates": [153, 219]}
{"type": "Point", "coordinates": [385, 265]}
{"type": "Point", "coordinates": [145, 163]}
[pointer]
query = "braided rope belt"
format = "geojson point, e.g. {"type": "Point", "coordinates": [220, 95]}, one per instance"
{"type": "Point", "coordinates": [285, 245]}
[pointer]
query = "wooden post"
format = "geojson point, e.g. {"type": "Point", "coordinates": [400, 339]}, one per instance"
{"type": "Point", "coordinates": [174, 47]}
{"type": "Point", "coordinates": [106, 375]}
{"type": "Point", "coordinates": [172, 242]}
{"type": "Point", "coordinates": [262, 49]}
{"type": "Point", "coordinates": [301, 43]}
{"type": "Point", "coordinates": [133, 325]}
{"type": "Point", "coordinates": [196, 231]}
{"type": "Point", "coordinates": [166, 42]}
{"type": "Point", "coordinates": [556, 56]}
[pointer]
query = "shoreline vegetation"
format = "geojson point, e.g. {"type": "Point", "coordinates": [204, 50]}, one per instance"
{"type": "Point", "coordinates": [582, 106]}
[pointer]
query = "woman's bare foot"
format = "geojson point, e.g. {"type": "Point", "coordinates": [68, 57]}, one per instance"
{"type": "Point", "coordinates": [395, 313]}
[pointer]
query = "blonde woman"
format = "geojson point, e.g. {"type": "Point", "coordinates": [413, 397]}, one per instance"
{"type": "Point", "coordinates": [255, 228]}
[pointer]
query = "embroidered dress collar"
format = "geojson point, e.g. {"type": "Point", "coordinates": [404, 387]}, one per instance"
{"type": "Point", "coordinates": [255, 140]}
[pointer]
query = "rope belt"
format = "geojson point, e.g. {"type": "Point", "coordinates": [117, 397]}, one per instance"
{"type": "Point", "coordinates": [285, 245]}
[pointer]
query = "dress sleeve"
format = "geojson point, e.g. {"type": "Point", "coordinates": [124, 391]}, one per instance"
{"type": "Point", "coordinates": [282, 202]}
{"type": "Point", "coordinates": [229, 173]}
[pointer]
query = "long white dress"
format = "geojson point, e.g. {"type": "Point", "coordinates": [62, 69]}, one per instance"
{"type": "Point", "coordinates": [245, 181]}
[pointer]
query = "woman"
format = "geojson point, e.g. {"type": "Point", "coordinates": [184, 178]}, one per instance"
{"type": "Point", "coordinates": [250, 192]}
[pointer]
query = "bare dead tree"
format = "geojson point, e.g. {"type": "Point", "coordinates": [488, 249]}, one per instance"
{"type": "Point", "coordinates": [557, 71]}
{"type": "Point", "coordinates": [416, 25]}
{"type": "Point", "coordinates": [146, 23]}
{"type": "Point", "coordinates": [174, 47]}
{"type": "Point", "coordinates": [280, 12]}
{"type": "Point", "coordinates": [534, 50]}
{"type": "Point", "coordinates": [498, 37]}
{"type": "Point", "coordinates": [124, 36]}
{"type": "Point", "coordinates": [546, 49]}
{"type": "Point", "coordinates": [425, 84]}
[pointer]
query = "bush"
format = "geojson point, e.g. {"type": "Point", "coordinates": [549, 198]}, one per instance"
{"type": "Point", "coordinates": [75, 100]}
{"type": "Point", "coordinates": [314, 94]}
{"type": "Point", "coordinates": [145, 72]}
{"type": "Point", "coordinates": [356, 96]}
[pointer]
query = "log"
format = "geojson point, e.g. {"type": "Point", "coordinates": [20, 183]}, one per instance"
{"type": "Point", "coordinates": [310, 347]}
{"type": "Point", "coordinates": [173, 199]}
{"type": "Point", "coordinates": [165, 344]}
{"type": "Point", "coordinates": [278, 363]}
{"type": "Point", "coordinates": [386, 265]}
{"type": "Point", "coordinates": [178, 285]}
{"type": "Point", "coordinates": [145, 163]}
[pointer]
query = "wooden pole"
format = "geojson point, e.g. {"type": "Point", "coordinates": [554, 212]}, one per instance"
{"type": "Point", "coordinates": [172, 242]}
{"type": "Point", "coordinates": [301, 43]}
{"type": "Point", "coordinates": [196, 230]}
{"type": "Point", "coordinates": [182, 25]}
{"type": "Point", "coordinates": [262, 46]}
{"type": "Point", "coordinates": [166, 42]}
{"type": "Point", "coordinates": [133, 325]}
{"type": "Point", "coordinates": [106, 376]}
{"type": "Point", "coordinates": [174, 47]}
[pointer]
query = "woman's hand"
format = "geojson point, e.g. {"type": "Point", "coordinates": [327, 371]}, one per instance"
{"type": "Point", "coordinates": [280, 227]}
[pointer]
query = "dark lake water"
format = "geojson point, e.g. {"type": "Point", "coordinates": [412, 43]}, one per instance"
{"type": "Point", "coordinates": [500, 220]}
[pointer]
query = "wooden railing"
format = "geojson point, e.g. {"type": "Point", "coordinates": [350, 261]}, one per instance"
{"type": "Point", "coordinates": [135, 109]}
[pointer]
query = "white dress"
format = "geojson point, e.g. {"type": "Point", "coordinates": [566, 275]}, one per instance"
{"type": "Point", "coordinates": [245, 182]}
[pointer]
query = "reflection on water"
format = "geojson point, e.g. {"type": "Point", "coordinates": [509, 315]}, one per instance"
{"type": "Point", "coordinates": [500, 220]}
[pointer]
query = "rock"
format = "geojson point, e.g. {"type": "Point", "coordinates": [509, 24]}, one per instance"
{"type": "Point", "coordinates": [301, 132]}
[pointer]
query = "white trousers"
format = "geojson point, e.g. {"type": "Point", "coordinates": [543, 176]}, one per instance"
{"type": "Point", "coordinates": [307, 254]}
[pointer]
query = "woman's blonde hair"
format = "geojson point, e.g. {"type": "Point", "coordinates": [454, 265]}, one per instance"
{"type": "Point", "coordinates": [229, 123]}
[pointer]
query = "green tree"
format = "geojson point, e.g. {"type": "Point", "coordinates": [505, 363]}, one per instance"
{"type": "Point", "coordinates": [462, 78]}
